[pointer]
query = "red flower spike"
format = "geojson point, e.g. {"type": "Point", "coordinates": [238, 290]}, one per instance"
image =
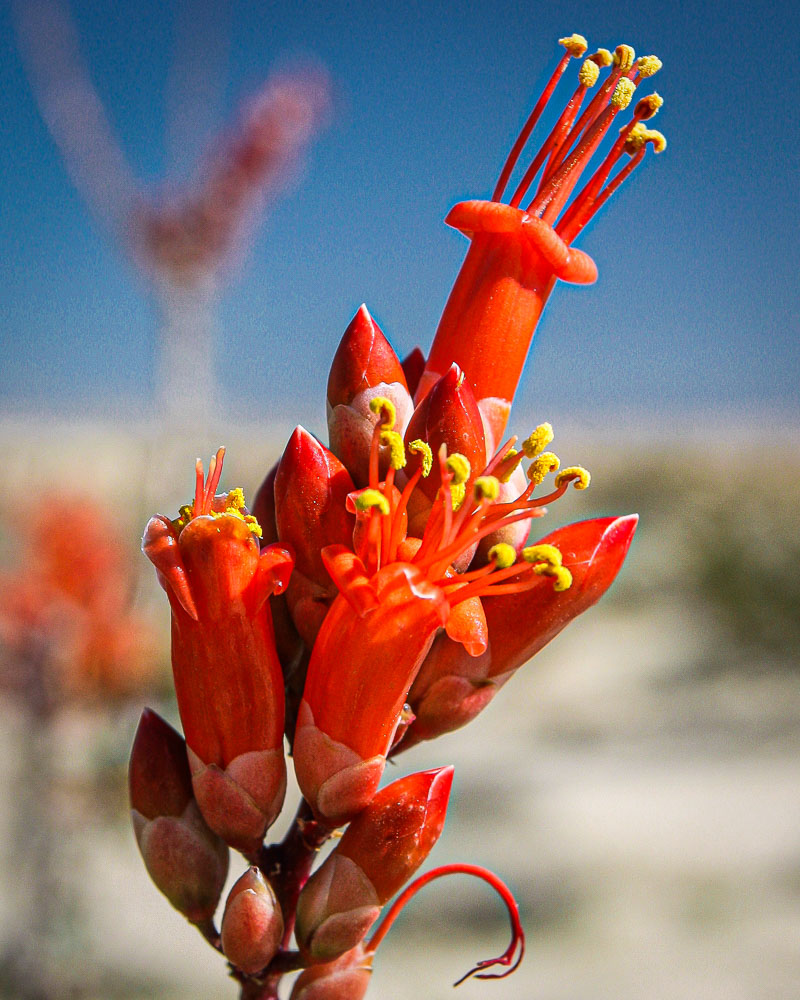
{"type": "Point", "coordinates": [311, 488]}
{"type": "Point", "coordinates": [510, 958]}
{"type": "Point", "coordinates": [228, 679]}
{"type": "Point", "coordinates": [452, 687]}
{"type": "Point", "coordinates": [448, 415]}
{"type": "Point", "coordinates": [380, 850]}
{"type": "Point", "coordinates": [345, 979]}
{"type": "Point", "coordinates": [252, 924]}
{"type": "Point", "coordinates": [364, 366]}
{"type": "Point", "coordinates": [187, 862]}
{"type": "Point", "coordinates": [516, 255]}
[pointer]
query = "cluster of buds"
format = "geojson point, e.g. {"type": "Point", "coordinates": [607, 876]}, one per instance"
{"type": "Point", "coordinates": [380, 592]}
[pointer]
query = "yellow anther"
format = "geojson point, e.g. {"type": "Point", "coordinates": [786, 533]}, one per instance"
{"type": "Point", "coordinates": [457, 493]}
{"type": "Point", "coordinates": [648, 65]}
{"type": "Point", "coordinates": [542, 553]}
{"type": "Point", "coordinates": [589, 73]}
{"type": "Point", "coordinates": [623, 93]}
{"type": "Point", "coordinates": [186, 512]}
{"type": "Point", "coordinates": [547, 462]}
{"type": "Point", "coordinates": [602, 58]}
{"type": "Point", "coordinates": [380, 405]}
{"type": "Point", "coordinates": [236, 498]}
{"type": "Point", "coordinates": [371, 500]}
{"type": "Point", "coordinates": [253, 525]}
{"type": "Point", "coordinates": [576, 45]}
{"type": "Point", "coordinates": [397, 452]}
{"type": "Point", "coordinates": [562, 578]}
{"type": "Point", "coordinates": [640, 135]}
{"type": "Point", "coordinates": [538, 440]}
{"type": "Point", "coordinates": [421, 448]}
{"type": "Point", "coordinates": [459, 467]}
{"type": "Point", "coordinates": [509, 467]}
{"type": "Point", "coordinates": [486, 488]}
{"type": "Point", "coordinates": [575, 474]}
{"type": "Point", "coordinates": [230, 512]}
{"type": "Point", "coordinates": [657, 139]}
{"type": "Point", "coordinates": [648, 106]}
{"type": "Point", "coordinates": [503, 555]}
{"type": "Point", "coordinates": [624, 57]}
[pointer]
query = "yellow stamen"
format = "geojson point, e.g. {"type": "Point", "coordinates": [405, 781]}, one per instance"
{"type": "Point", "coordinates": [649, 106]}
{"type": "Point", "coordinates": [508, 472]}
{"type": "Point", "coordinates": [602, 58]}
{"type": "Point", "coordinates": [253, 525]}
{"type": "Point", "coordinates": [640, 136]}
{"type": "Point", "coordinates": [236, 498]}
{"type": "Point", "coordinates": [457, 493]}
{"type": "Point", "coordinates": [576, 45]}
{"type": "Point", "coordinates": [486, 488]}
{"type": "Point", "coordinates": [623, 93]}
{"type": "Point", "coordinates": [542, 553]}
{"type": "Point", "coordinates": [624, 56]}
{"type": "Point", "coordinates": [503, 555]}
{"type": "Point", "coordinates": [648, 65]}
{"type": "Point", "coordinates": [576, 475]}
{"type": "Point", "coordinates": [380, 405]}
{"type": "Point", "coordinates": [547, 462]}
{"type": "Point", "coordinates": [538, 440]}
{"type": "Point", "coordinates": [421, 448]}
{"type": "Point", "coordinates": [459, 467]}
{"type": "Point", "coordinates": [589, 73]}
{"type": "Point", "coordinates": [397, 453]}
{"type": "Point", "coordinates": [370, 499]}
{"type": "Point", "coordinates": [562, 578]}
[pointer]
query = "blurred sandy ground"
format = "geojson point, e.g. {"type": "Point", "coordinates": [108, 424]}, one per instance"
{"type": "Point", "coordinates": [638, 786]}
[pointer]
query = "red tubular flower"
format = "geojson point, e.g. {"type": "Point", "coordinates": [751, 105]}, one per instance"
{"type": "Point", "coordinates": [185, 859]}
{"type": "Point", "coordinates": [311, 488]}
{"type": "Point", "coordinates": [364, 366]}
{"type": "Point", "coordinates": [395, 593]}
{"type": "Point", "coordinates": [380, 850]}
{"type": "Point", "coordinates": [228, 680]}
{"type": "Point", "coordinates": [452, 687]}
{"type": "Point", "coordinates": [517, 253]}
{"type": "Point", "coordinates": [252, 925]}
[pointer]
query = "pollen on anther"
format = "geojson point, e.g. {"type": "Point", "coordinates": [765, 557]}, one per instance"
{"type": "Point", "coordinates": [397, 452]}
{"type": "Point", "coordinates": [602, 58]}
{"type": "Point", "coordinates": [371, 499]}
{"type": "Point", "coordinates": [486, 488]}
{"type": "Point", "coordinates": [542, 553]}
{"type": "Point", "coordinates": [423, 449]}
{"type": "Point", "coordinates": [624, 56]}
{"type": "Point", "coordinates": [503, 555]}
{"type": "Point", "coordinates": [648, 65]}
{"type": "Point", "coordinates": [576, 45]}
{"type": "Point", "coordinates": [623, 93]}
{"type": "Point", "coordinates": [589, 73]}
{"type": "Point", "coordinates": [575, 474]}
{"type": "Point", "coordinates": [380, 405]}
{"type": "Point", "coordinates": [547, 462]}
{"type": "Point", "coordinates": [459, 467]}
{"type": "Point", "coordinates": [649, 106]}
{"type": "Point", "coordinates": [536, 443]}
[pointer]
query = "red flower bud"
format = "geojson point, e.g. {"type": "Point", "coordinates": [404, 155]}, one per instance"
{"type": "Point", "coordinates": [228, 680]}
{"type": "Point", "coordinates": [413, 367]}
{"type": "Point", "coordinates": [380, 850]}
{"type": "Point", "coordinates": [187, 862]}
{"type": "Point", "coordinates": [311, 488]}
{"type": "Point", "coordinates": [252, 925]}
{"type": "Point", "coordinates": [364, 366]}
{"type": "Point", "coordinates": [345, 979]}
{"type": "Point", "coordinates": [447, 415]}
{"type": "Point", "coordinates": [452, 687]}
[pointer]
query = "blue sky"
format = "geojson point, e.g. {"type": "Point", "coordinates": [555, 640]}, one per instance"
{"type": "Point", "coordinates": [696, 310]}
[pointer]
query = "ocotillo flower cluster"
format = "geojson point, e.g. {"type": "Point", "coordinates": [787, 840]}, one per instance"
{"type": "Point", "coordinates": [380, 591]}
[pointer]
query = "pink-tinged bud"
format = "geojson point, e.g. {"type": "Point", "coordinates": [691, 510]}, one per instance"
{"type": "Point", "coordinates": [365, 366]}
{"type": "Point", "coordinates": [367, 653]}
{"type": "Point", "coordinates": [228, 679]}
{"type": "Point", "coordinates": [345, 979]}
{"type": "Point", "coordinates": [380, 850]}
{"type": "Point", "coordinates": [448, 415]}
{"type": "Point", "coordinates": [452, 687]}
{"type": "Point", "coordinates": [252, 925]}
{"type": "Point", "coordinates": [413, 367]}
{"type": "Point", "coordinates": [187, 862]}
{"type": "Point", "coordinates": [311, 489]}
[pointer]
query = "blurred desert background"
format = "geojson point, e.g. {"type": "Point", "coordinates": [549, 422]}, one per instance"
{"type": "Point", "coordinates": [197, 196]}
